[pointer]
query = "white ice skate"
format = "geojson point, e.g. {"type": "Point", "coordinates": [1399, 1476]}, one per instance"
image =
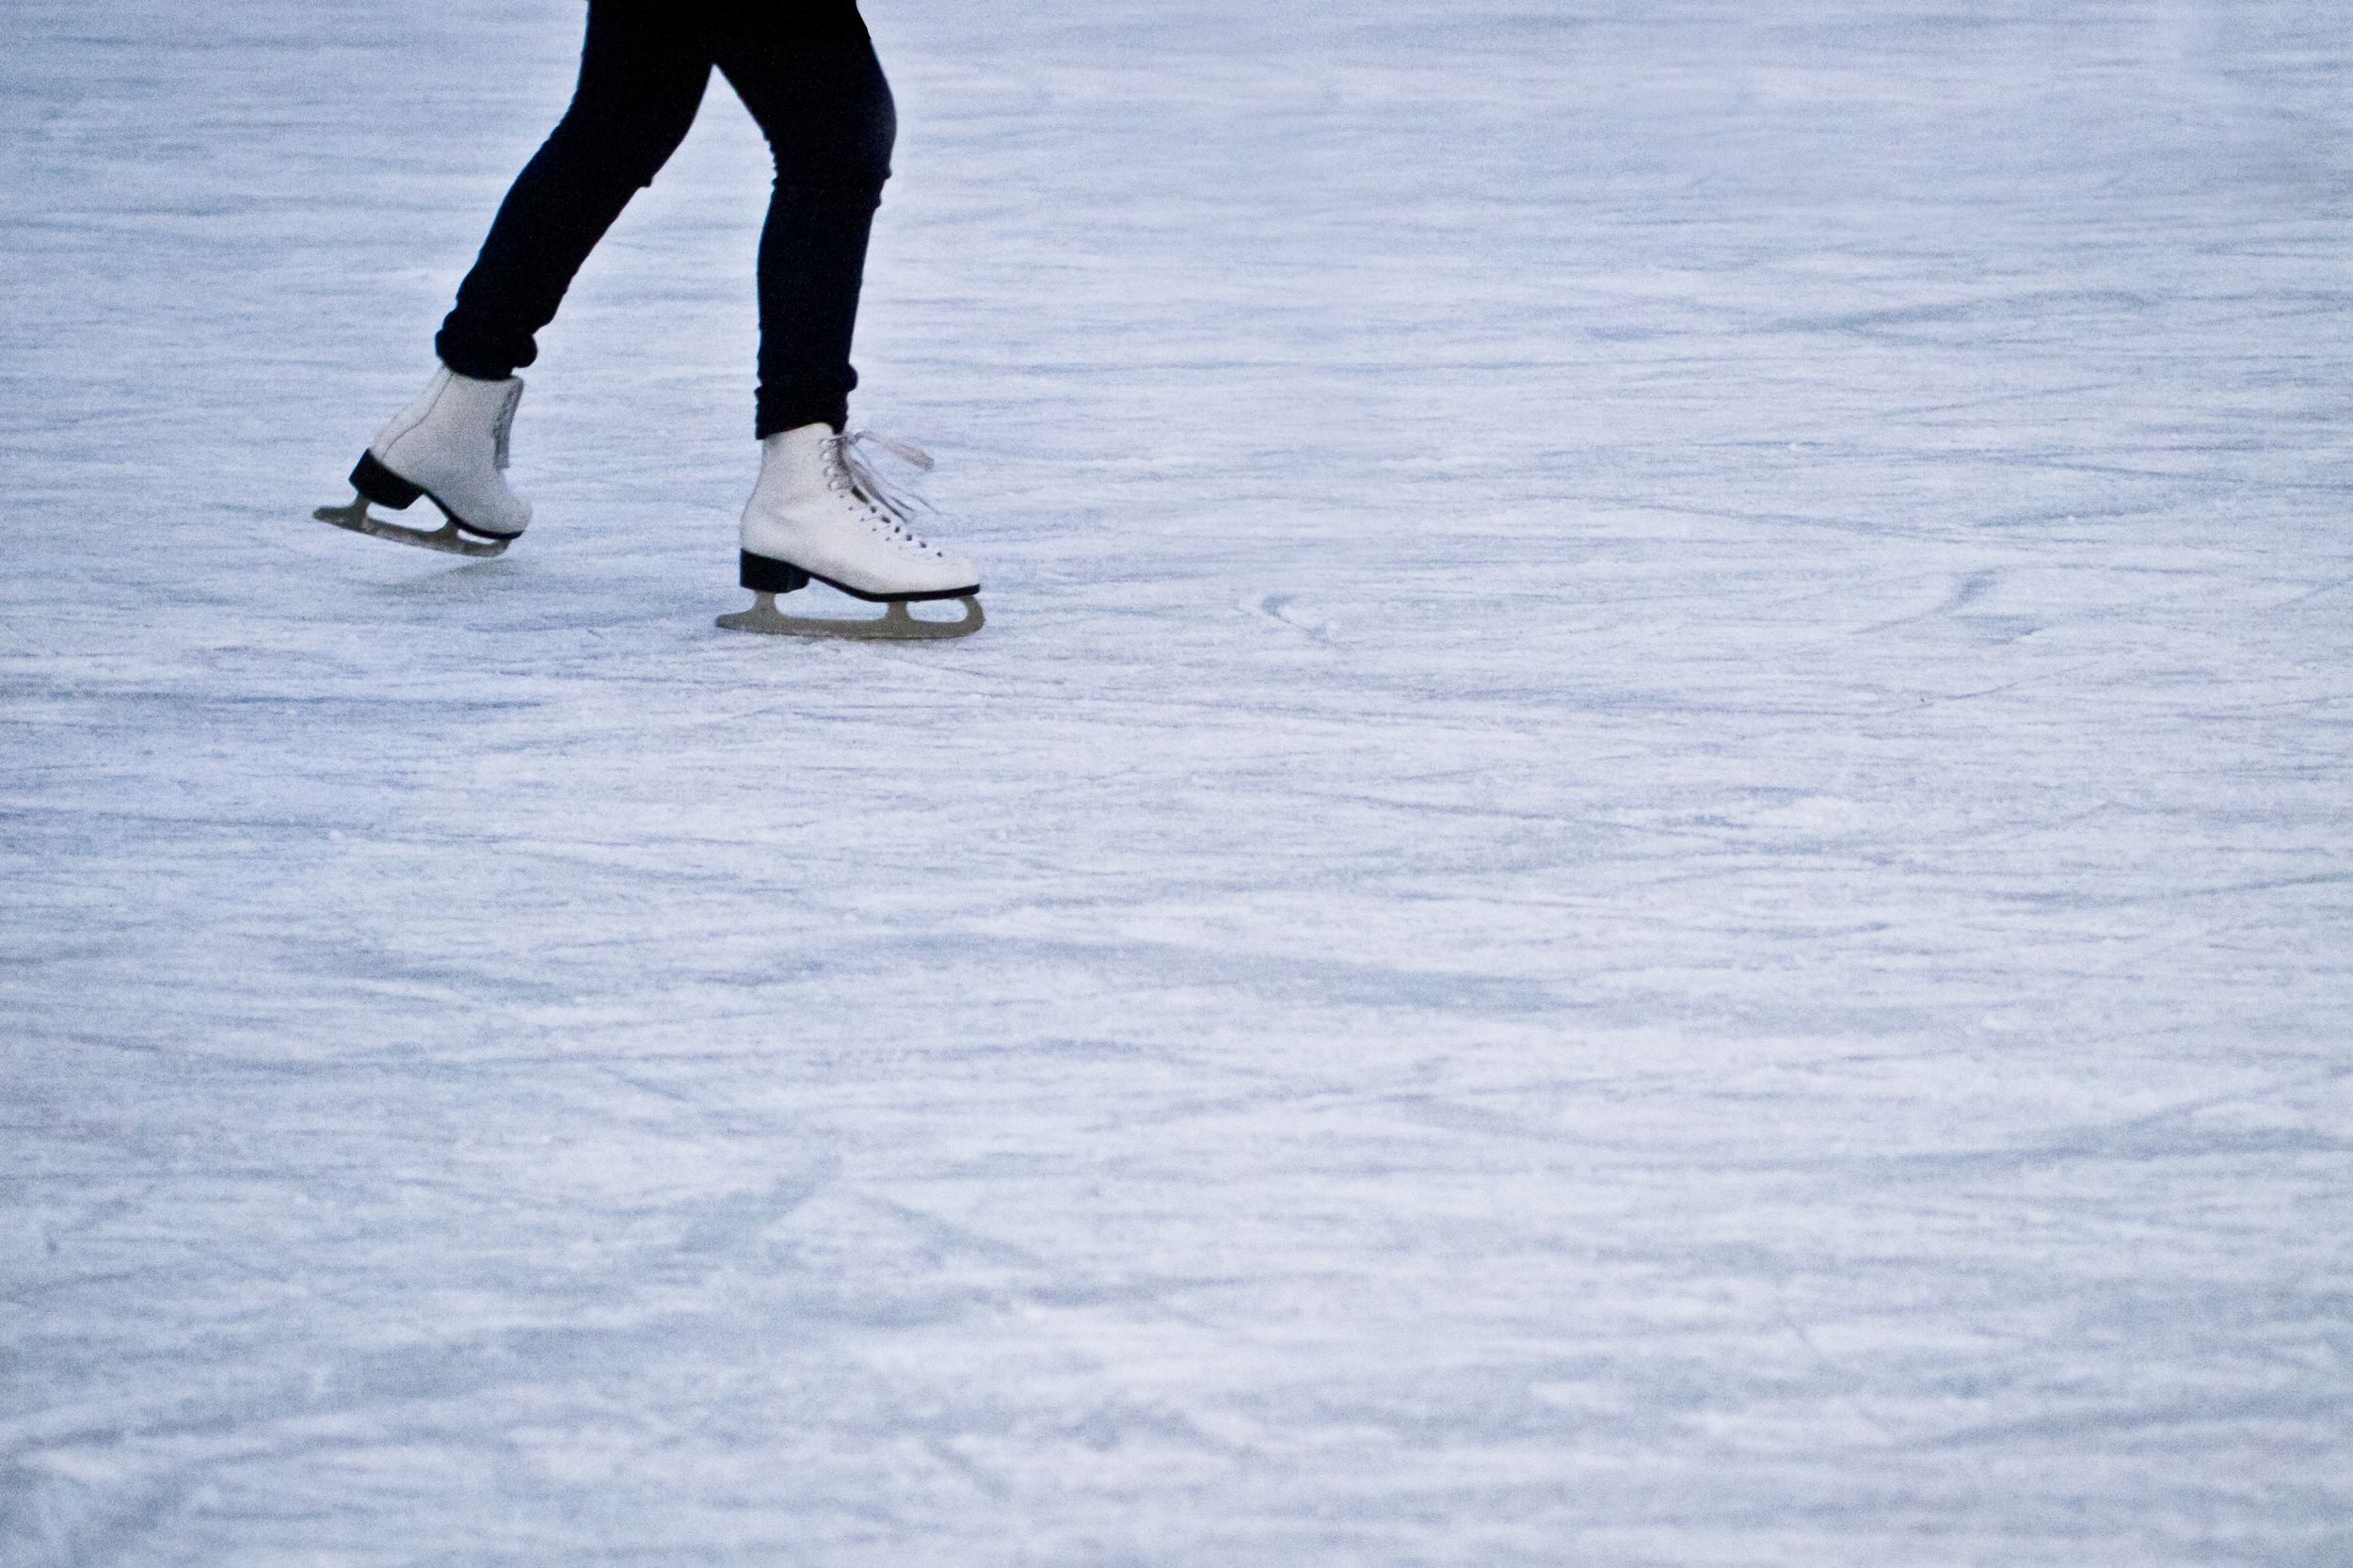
{"type": "Point", "coordinates": [819, 511]}
{"type": "Point", "coordinates": [450, 447]}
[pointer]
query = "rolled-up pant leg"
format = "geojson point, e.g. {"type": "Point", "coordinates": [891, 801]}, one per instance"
{"type": "Point", "coordinates": [807, 73]}
{"type": "Point", "coordinates": [642, 73]}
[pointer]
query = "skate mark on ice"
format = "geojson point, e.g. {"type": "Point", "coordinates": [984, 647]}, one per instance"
{"type": "Point", "coordinates": [1281, 608]}
{"type": "Point", "coordinates": [1893, 320]}
{"type": "Point", "coordinates": [2002, 399]}
{"type": "Point", "coordinates": [733, 1222]}
{"type": "Point", "coordinates": [983, 1480]}
{"type": "Point", "coordinates": [2327, 1413]}
{"type": "Point", "coordinates": [52, 1517]}
{"type": "Point", "coordinates": [1119, 1421]}
{"type": "Point", "coordinates": [1875, 528]}
{"type": "Point", "coordinates": [2336, 584]}
{"type": "Point", "coordinates": [1972, 587]}
{"type": "Point", "coordinates": [1154, 965]}
{"type": "Point", "coordinates": [1454, 1116]}
{"type": "Point", "coordinates": [950, 1237]}
{"type": "Point", "coordinates": [473, 581]}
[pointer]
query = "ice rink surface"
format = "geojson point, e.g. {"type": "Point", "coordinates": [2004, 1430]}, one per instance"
{"type": "Point", "coordinates": [1648, 864]}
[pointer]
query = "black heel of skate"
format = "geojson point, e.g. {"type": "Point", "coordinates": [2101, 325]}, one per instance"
{"type": "Point", "coordinates": [380, 485]}
{"type": "Point", "coordinates": [764, 576]}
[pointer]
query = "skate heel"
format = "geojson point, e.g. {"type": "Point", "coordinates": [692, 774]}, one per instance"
{"type": "Point", "coordinates": [765, 576]}
{"type": "Point", "coordinates": [380, 485]}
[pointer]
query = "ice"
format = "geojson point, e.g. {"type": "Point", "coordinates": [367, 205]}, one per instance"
{"type": "Point", "coordinates": [1648, 862]}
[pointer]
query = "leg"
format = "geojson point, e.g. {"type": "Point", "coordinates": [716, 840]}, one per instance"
{"type": "Point", "coordinates": [642, 73]}
{"type": "Point", "coordinates": [818, 512]}
{"type": "Point", "coordinates": [809, 75]}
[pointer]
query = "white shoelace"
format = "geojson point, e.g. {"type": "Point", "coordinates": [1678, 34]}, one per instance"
{"type": "Point", "coordinates": [896, 507]}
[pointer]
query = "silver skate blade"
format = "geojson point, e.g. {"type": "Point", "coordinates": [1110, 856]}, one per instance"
{"type": "Point", "coordinates": [896, 625]}
{"type": "Point", "coordinates": [357, 518]}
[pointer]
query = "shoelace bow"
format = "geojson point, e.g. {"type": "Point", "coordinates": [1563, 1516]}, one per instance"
{"type": "Point", "coordinates": [867, 484]}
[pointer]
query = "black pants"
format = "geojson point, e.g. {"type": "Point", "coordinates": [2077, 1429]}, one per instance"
{"type": "Point", "coordinates": [806, 71]}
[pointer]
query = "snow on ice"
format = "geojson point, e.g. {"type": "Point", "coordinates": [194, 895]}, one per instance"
{"type": "Point", "coordinates": [1647, 862]}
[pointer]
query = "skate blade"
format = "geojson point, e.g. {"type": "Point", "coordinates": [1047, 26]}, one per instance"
{"type": "Point", "coordinates": [896, 625]}
{"type": "Point", "coordinates": [357, 518]}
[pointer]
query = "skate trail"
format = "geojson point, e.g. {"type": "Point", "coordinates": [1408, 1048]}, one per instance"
{"type": "Point", "coordinates": [1646, 863]}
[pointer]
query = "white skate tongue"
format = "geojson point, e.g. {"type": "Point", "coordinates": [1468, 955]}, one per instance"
{"type": "Point", "coordinates": [503, 428]}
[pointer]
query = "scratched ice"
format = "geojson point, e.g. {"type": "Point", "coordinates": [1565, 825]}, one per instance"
{"type": "Point", "coordinates": [1648, 863]}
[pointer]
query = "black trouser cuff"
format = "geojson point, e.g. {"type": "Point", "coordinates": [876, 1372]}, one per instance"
{"type": "Point", "coordinates": [481, 359]}
{"type": "Point", "coordinates": [775, 418]}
